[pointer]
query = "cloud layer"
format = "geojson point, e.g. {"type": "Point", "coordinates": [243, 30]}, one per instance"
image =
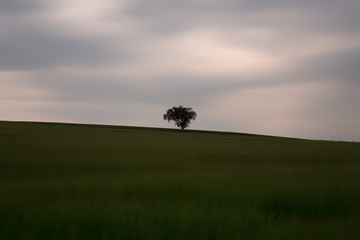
{"type": "Point", "coordinates": [274, 67]}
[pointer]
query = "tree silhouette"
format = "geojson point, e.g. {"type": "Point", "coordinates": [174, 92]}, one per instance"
{"type": "Point", "coordinates": [180, 115]}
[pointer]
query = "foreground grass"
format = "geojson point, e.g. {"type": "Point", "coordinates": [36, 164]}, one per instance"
{"type": "Point", "coordinates": [91, 182]}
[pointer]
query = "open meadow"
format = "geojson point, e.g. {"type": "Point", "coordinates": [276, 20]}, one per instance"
{"type": "Point", "coordinates": [68, 181]}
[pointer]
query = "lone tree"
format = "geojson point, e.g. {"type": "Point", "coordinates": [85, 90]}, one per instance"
{"type": "Point", "coordinates": [180, 115]}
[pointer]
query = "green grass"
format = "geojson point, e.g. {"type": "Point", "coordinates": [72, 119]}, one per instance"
{"type": "Point", "coordinates": [64, 181]}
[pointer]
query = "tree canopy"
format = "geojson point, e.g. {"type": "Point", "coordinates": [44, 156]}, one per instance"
{"type": "Point", "coordinates": [180, 115]}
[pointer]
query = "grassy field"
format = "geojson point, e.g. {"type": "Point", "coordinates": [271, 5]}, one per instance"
{"type": "Point", "coordinates": [62, 181]}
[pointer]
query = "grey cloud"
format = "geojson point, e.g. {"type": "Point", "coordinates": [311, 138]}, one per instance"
{"type": "Point", "coordinates": [47, 49]}
{"type": "Point", "coordinates": [36, 44]}
{"type": "Point", "coordinates": [292, 16]}
{"type": "Point", "coordinates": [341, 66]}
{"type": "Point", "coordinates": [8, 7]}
{"type": "Point", "coordinates": [185, 90]}
{"type": "Point", "coordinates": [166, 89]}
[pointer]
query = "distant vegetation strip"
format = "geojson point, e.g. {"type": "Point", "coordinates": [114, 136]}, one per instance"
{"type": "Point", "coordinates": [91, 125]}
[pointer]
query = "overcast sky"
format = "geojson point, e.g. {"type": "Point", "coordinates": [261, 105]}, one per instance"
{"type": "Point", "coordinates": [275, 67]}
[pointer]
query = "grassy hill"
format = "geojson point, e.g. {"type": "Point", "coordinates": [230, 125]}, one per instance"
{"type": "Point", "coordinates": [68, 181]}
